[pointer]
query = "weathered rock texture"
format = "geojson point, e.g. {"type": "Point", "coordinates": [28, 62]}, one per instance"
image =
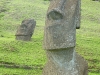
{"type": "Point", "coordinates": [63, 18]}
{"type": "Point", "coordinates": [65, 62]}
{"type": "Point", "coordinates": [26, 30]}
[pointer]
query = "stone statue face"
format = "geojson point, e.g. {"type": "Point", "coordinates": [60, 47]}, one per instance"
{"type": "Point", "coordinates": [26, 27]}
{"type": "Point", "coordinates": [61, 23]}
{"type": "Point", "coordinates": [23, 29]}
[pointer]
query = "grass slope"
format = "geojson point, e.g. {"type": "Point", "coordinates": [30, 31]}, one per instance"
{"type": "Point", "coordinates": [28, 58]}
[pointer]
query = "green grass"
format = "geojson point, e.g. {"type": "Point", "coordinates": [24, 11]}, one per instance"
{"type": "Point", "coordinates": [88, 37]}
{"type": "Point", "coordinates": [11, 71]}
{"type": "Point", "coordinates": [31, 53]}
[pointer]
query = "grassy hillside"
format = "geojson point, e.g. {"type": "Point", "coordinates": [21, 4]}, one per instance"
{"type": "Point", "coordinates": [28, 58]}
{"type": "Point", "coordinates": [88, 37]}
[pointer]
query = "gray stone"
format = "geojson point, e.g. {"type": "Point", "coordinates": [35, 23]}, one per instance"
{"type": "Point", "coordinates": [63, 18]}
{"type": "Point", "coordinates": [65, 62]}
{"type": "Point", "coordinates": [26, 30]}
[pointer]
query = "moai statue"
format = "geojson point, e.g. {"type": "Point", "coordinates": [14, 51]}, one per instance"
{"type": "Point", "coordinates": [63, 18]}
{"type": "Point", "coordinates": [26, 29]}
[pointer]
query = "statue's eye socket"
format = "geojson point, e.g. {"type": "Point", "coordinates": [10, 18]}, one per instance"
{"type": "Point", "coordinates": [23, 26]}
{"type": "Point", "coordinates": [55, 15]}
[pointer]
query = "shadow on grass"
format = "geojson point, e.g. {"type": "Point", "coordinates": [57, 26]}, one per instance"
{"type": "Point", "coordinates": [18, 66]}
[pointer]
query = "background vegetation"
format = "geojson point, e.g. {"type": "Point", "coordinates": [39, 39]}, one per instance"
{"type": "Point", "coordinates": [28, 58]}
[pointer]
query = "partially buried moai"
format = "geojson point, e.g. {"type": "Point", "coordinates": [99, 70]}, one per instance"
{"type": "Point", "coordinates": [63, 18]}
{"type": "Point", "coordinates": [26, 30]}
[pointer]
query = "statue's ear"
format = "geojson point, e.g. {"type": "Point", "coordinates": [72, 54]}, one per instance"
{"type": "Point", "coordinates": [78, 15]}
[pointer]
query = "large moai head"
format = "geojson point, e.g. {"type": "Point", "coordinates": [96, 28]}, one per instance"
{"type": "Point", "coordinates": [62, 20]}
{"type": "Point", "coordinates": [25, 30]}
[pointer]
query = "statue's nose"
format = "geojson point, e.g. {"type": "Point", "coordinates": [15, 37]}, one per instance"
{"type": "Point", "coordinates": [55, 14]}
